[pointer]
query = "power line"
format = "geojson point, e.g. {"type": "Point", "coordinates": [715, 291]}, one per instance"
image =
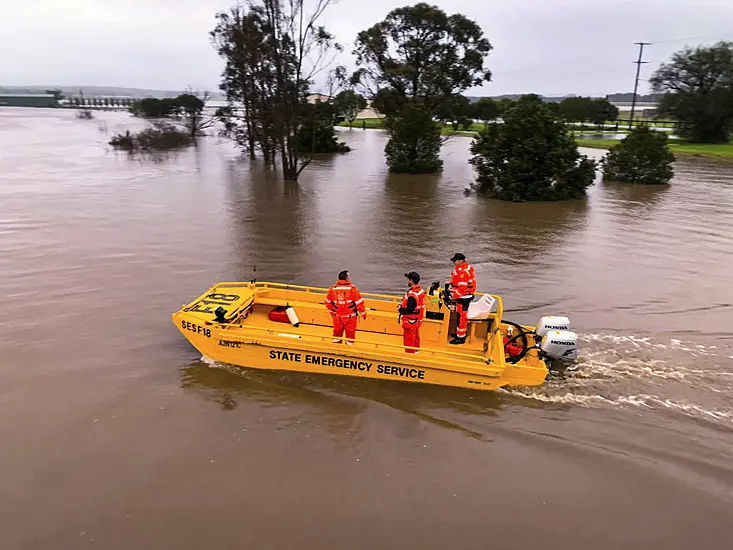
{"type": "Point", "coordinates": [708, 37]}
{"type": "Point", "coordinates": [638, 62]}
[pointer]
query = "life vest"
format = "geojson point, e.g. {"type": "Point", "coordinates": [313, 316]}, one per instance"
{"type": "Point", "coordinates": [343, 299]}
{"type": "Point", "coordinates": [278, 314]}
{"type": "Point", "coordinates": [463, 281]}
{"type": "Point", "coordinates": [414, 319]}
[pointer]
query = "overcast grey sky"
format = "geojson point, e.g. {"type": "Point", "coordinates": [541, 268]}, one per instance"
{"type": "Point", "coordinates": [542, 46]}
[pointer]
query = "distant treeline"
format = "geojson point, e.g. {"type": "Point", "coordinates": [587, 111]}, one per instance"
{"type": "Point", "coordinates": [629, 97]}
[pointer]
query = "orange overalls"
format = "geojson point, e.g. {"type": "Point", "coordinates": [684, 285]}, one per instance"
{"type": "Point", "coordinates": [344, 303]}
{"type": "Point", "coordinates": [463, 285]}
{"type": "Point", "coordinates": [412, 312]}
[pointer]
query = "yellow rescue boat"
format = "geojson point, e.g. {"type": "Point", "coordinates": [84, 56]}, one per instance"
{"type": "Point", "coordinates": [286, 327]}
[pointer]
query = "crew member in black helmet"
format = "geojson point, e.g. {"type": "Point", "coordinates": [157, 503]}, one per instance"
{"type": "Point", "coordinates": [412, 312]}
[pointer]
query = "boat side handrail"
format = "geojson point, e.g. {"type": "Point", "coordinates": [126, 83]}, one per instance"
{"type": "Point", "coordinates": [320, 290]}
{"type": "Point", "coordinates": [357, 343]}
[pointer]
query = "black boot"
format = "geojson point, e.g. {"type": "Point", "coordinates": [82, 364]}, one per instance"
{"type": "Point", "coordinates": [458, 340]}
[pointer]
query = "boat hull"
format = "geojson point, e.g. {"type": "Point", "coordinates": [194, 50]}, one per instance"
{"type": "Point", "coordinates": [249, 338]}
{"type": "Point", "coordinates": [345, 360]}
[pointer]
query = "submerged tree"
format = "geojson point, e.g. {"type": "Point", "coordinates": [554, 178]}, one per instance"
{"type": "Point", "coordinates": [317, 134]}
{"type": "Point", "coordinates": [272, 49]}
{"type": "Point", "coordinates": [186, 109]}
{"type": "Point", "coordinates": [698, 91]}
{"type": "Point", "coordinates": [643, 157]}
{"type": "Point", "coordinates": [530, 157]}
{"type": "Point", "coordinates": [191, 113]}
{"type": "Point", "coordinates": [153, 107]}
{"type": "Point", "coordinates": [415, 144]}
{"type": "Point", "coordinates": [412, 64]}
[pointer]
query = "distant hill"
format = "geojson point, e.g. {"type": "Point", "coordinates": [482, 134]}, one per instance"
{"type": "Point", "coordinates": [97, 91]}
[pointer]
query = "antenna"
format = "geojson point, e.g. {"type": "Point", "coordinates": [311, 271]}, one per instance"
{"type": "Point", "coordinates": [636, 83]}
{"type": "Point", "coordinates": [254, 274]}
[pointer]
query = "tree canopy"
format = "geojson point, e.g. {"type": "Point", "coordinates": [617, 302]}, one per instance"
{"type": "Point", "coordinates": [423, 53]}
{"type": "Point", "coordinates": [582, 109]}
{"type": "Point", "coordinates": [153, 107]}
{"type": "Point", "coordinates": [698, 91]}
{"type": "Point", "coordinates": [415, 62]}
{"type": "Point", "coordinates": [643, 157]}
{"type": "Point", "coordinates": [187, 109]}
{"type": "Point", "coordinates": [530, 157]}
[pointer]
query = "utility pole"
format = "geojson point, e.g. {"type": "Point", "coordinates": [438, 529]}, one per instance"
{"type": "Point", "coordinates": [636, 84]}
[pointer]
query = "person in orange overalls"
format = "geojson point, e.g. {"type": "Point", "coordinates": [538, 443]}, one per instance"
{"type": "Point", "coordinates": [462, 286]}
{"type": "Point", "coordinates": [345, 303]}
{"type": "Point", "coordinates": [412, 312]}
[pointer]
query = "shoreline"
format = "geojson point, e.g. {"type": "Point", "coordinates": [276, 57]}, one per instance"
{"type": "Point", "coordinates": [720, 152]}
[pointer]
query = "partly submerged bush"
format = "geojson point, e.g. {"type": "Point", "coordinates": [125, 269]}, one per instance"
{"type": "Point", "coordinates": [320, 137]}
{"type": "Point", "coordinates": [642, 157]}
{"type": "Point", "coordinates": [530, 157]}
{"type": "Point", "coordinates": [414, 141]}
{"type": "Point", "coordinates": [85, 114]}
{"type": "Point", "coordinates": [160, 137]}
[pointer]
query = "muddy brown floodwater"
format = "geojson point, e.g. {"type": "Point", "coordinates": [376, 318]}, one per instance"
{"type": "Point", "coordinates": [114, 434]}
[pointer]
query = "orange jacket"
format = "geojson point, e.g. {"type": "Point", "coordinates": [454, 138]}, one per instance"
{"type": "Point", "coordinates": [343, 299]}
{"type": "Point", "coordinates": [412, 317]}
{"type": "Point", "coordinates": [463, 281]}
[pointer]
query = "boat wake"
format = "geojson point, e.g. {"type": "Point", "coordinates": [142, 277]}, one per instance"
{"type": "Point", "coordinates": [633, 371]}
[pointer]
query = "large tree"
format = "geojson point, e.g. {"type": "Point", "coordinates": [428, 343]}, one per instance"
{"type": "Point", "coordinates": [698, 91]}
{"type": "Point", "coordinates": [273, 50]}
{"type": "Point", "coordinates": [419, 57]}
{"type": "Point", "coordinates": [602, 110]}
{"type": "Point", "coordinates": [530, 157]}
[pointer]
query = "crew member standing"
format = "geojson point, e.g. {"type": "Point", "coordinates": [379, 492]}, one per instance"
{"type": "Point", "coordinates": [344, 303]}
{"type": "Point", "coordinates": [462, 286]}
{"type": "Point", "coordinates": [412, 312]}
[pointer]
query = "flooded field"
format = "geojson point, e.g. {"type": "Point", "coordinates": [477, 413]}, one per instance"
{"type": "Point", "coordinates": [117, 435]}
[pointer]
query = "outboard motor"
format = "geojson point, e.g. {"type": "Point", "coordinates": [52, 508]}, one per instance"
{"type": "Point", "coordinates": [560, 345]}
{"type": "Point", "coordinates": [552, 322]}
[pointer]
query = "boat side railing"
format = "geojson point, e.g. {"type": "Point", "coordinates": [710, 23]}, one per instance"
{"type": "Point", "coordinates": [319, 290]}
